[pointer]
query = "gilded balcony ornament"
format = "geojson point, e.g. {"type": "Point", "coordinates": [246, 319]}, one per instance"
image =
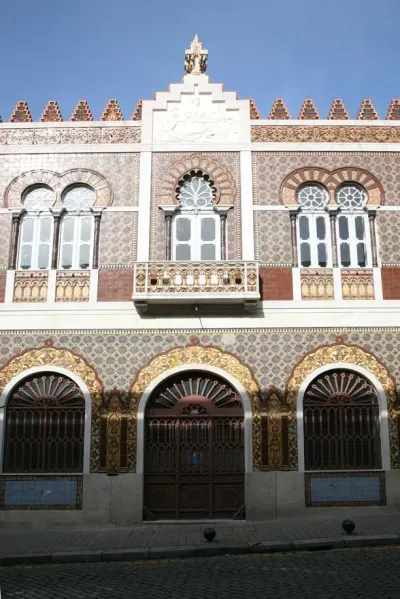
{"type": "Point", "coordinates": [196, 58]}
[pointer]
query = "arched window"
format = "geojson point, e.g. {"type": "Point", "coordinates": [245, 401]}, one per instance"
{"type": "Point", "coordinates": [196, 228]}
{"type": "Point", "coordinates": [352, 226]}
{"type": "Point", "coordinates": [44, 426]}
{"type": "Point", "coordinates": [341, 423]}
{"type": "Point", "coordinates": [36, 236]}
{"type": "Point", "coordinates": [77, 228]}
{"type": "Point", "coordinates": [313, 226]}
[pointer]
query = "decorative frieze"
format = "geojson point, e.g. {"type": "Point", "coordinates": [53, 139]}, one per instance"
{"type": "Point", "coordinates": [72, 286]}
{"type": "Point", "coordinates": [30, 286]}
{"type": "Point", "coordinates": [358, 284]}
{"type": "Point", "coordinates": [69, 136]}
{"type": "Point", "coordinates": [325, 133]}
{"type": "Point", "coordinates": [317, 284]}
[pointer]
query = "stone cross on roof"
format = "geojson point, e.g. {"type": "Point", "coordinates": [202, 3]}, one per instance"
{"type": "Point", "coordinates": [196, 58]}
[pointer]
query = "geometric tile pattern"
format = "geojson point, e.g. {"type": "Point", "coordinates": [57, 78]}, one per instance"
{"type": "Point", "coordinates": [116, 238]}
{"type": "Point", "coordinates": [121, 171]}
{"type": "Point", "coordinates": [273, 240]}
{"type": "Point", "coordinates": [5, 233]}
{"type": "Point", "coordinates": [388, 234]}
{"type": "Point", "coordinates": [270, 170]}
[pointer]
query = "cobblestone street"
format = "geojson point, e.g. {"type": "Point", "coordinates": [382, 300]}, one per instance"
{"type": "Point", "coordinates": [343, 574]}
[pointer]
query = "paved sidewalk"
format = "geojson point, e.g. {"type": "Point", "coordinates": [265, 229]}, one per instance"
{"type": "Point", "coordinates": [174, 540]}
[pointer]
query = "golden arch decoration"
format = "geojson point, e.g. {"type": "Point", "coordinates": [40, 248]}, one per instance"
{"type": "Point", "coordinates": [352, 355]}
{"type": "Point", "coordinates": [198, 355]}
{"type": "Point", "coordinates": [48, 356]}
{"type": "Point", "coordinates": [223, 181]}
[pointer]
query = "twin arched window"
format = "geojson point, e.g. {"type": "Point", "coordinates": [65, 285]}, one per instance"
{"type": "Point", "coordinates": [37, 228]}
{"type": "Point", "coordinates": [315, 244]}
{"type": "Point", "coordinates": [196, 230]}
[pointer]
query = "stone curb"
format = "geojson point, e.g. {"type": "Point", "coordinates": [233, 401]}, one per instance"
{"type": "Point", "coordinates": [204, 550]}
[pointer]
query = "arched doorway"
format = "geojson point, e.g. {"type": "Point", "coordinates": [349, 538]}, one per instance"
{"type": "Point", "coordinates": [194, 449]}
{"type": "Point", "coordinates": [341, 422]}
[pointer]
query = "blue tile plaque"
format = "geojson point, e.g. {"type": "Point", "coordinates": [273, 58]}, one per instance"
{"type": "Point", "coordinates": [40, 493]}
{"type": "Point", "coordinates": [323, 489]}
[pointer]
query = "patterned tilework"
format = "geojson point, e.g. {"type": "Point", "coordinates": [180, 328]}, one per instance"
{"type": "Point", "coordinates": [121, 170]}
{"type": "Point", "coordinates": [273, 239]}
{"type": "Point", "coordinates": [388, 234]}
{"type": "Point", "coordinates": [161, 162]}
{"type": "Point", "coordinates": [117, 355]}
{"type": "Point", "coordinates": [117, 240]}
{"type": "Point", "coordinates": [40, 492]}
{"type": "Point", "coordinates": [270, 170]}
{"type": "Point", "coordinates": [5, 232]}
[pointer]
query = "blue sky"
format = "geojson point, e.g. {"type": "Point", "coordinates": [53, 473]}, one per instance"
{"type": "Point", "coordinates": [264, 49]}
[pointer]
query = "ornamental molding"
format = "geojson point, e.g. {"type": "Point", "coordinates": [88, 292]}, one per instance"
{"type": "Point", "coordinates": [223, 181]}
{"type": "Point", "coordinates": [62, 357]}
{"type": "Point", "coordinates": [58, 183]}
{"type": "Point", "coordinates": [198, 355]}
{"type": "Point", "coordinates": [353, 355]}
{"type": "Point", "coordinates": [331, 180]}
{"type": "Point", "coordinates": [69, 136]}
{"type": "Point", "coordinates": [325, 133]}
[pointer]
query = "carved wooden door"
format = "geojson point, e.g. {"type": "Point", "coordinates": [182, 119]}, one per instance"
{"type": "Point", "coordinates": [194, 450]}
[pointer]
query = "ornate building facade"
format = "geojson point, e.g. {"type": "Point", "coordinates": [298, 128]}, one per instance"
{"type": "Point", "coordinates": [200, 312]}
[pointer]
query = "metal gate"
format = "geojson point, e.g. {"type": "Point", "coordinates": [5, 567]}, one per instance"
{"type": "Point", "coordinates": [194, 450]}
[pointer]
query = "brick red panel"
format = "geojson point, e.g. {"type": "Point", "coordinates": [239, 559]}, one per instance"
{"type": "Point", "coordinates": [115, 285]}
{"type": "Point", "coordinates": [276, 283]}
{"type": "Point", "coordinates": [3, 276]}
{"type": "Point", "coordinates": [391, 283]}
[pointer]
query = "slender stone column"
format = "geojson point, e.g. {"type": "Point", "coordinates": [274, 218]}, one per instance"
{"type": "Point", "coordinates": [372, 231]}
{"type": "Point", "coordinates": [56, 240]}
{"type": "Point", "coordinates": [332, 221]}
{"type": "Point", "coordinates": [293, 231]}
{"type": "Point", "coordinates": [14, 240]}
{"type": "Point", "coordinates": [168, 236]}
{"type": "Point", "coordinates": [223, 235]}
{"type": "Point", "coordinates": [96, 239]}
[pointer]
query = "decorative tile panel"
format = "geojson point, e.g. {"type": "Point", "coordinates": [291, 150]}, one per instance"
{"type": "Point", "coordinates": [345, 489]}
{"type": "Point", "coordinates": [317, 284]}
{"type": "Point", "coordinates": [121, 171]}
{"type": "Point", "coordinates": [388, 235]}
{"type": "Point", "coordinates": [117, 240]}
{"type": "Point", "coordinates": [30, 286]}
{"type": "Point", "coordinates": [273, 242]}
{"type": "Point", "coordinates": [5, 234]}
{"type": "Point", "coordinates": [325, 133]}
{"type": "Point", "coordinates": [358, 284]}
{"type": "Point", "coordinates": [271, 169]}
{"type": "Point", "coordinates": [72, 286]}
{"type": "Point", "coordinates": [41, 493]}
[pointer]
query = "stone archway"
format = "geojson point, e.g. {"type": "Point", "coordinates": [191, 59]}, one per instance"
{"type": "Point", "coordinates": [197, 357]}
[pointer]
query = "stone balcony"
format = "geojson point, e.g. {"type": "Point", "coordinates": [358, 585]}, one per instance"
{"type": "Point", "coordinates": [196, 283]}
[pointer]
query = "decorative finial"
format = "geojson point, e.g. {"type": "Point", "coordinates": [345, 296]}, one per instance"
{"type": "Point", "coordinates": [196, 58]}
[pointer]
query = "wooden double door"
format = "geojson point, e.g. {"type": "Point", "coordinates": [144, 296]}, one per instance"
{"type": "Point", "coordinates": [194, 451]}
